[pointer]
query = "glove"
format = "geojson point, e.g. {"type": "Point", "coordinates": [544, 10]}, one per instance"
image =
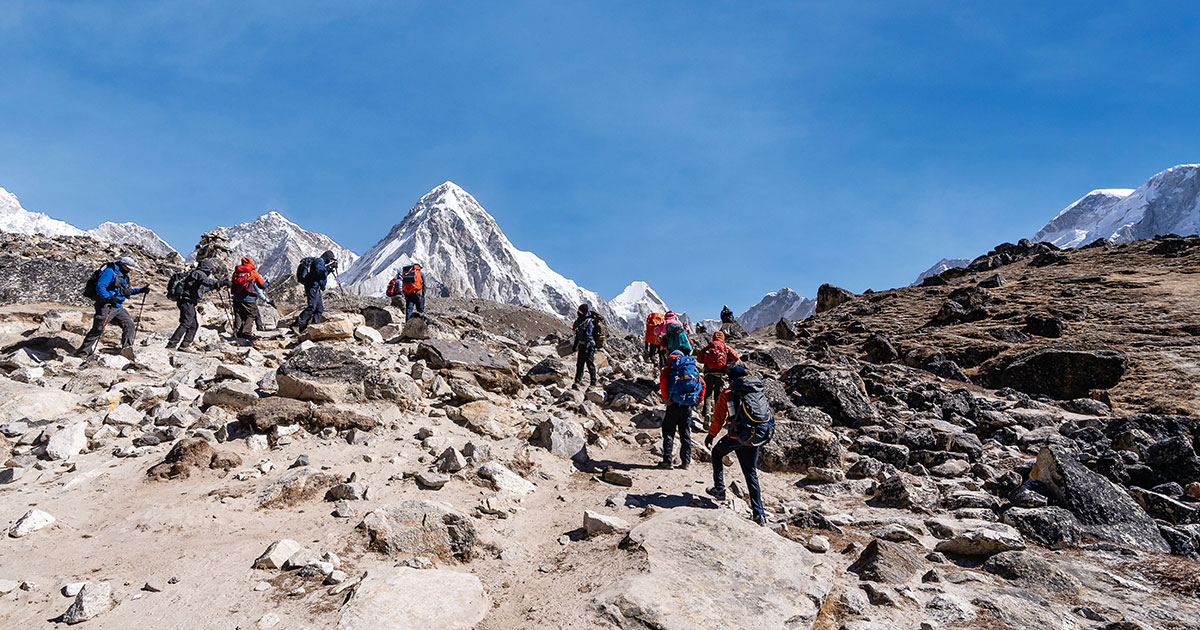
{"type": "Point", "coordinates": [145, 289]}
{"type": "Point", "coordinates": [708, 442]}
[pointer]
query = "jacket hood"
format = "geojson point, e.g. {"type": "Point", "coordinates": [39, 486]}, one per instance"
{"type": "Point", "coordinates": [249, 262]}
{"type": "Point", "coordinates": [718, 336]}
{"type": "Point", "coordinates": [327, 255]}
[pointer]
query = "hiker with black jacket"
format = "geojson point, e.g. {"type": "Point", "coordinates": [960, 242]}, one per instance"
{"type": "Point", "coordinates": [682, 389]}
{"type": "Point", "coordinates": [315, 275]}
{"type": "Point", "coordinates": [584, 344]}
{"type": "Point", "coordinates": [193, 287]}
{"type": "Point", "coordinates": [751, 424]}
{"type": "Point", "coordinates": [726, 315]}
{"type": "Point", "coordinates": [109, 289]}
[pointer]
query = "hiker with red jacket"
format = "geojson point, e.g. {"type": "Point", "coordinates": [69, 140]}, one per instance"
{"type": "Point", "coordinates": [409, 283]}
{"type": "Point", "coordinates": [716, 357]}
{"type": "Point", "coordinates": [751, 424]}
{"type": "Point", "coordinates": [682, 389]}
{"type": "Point", "coordinates": [245, 287]}
{"type": "Point", "coordinates": [651, 352]}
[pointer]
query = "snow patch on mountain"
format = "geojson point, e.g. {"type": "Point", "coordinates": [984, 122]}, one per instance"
{"type": "Point", "coordinates": [635, 303]}
{"type": "Point", "coordinates": [18, 220]}
{"type": "Point", "coordinates": [940, 266]}
{"type": "Point", "coordinates": [1168, 203]}
{"type": "Point", "coordinates": [461, 248]}
{"type": "Point", "coordinates": [277, 245]}
{"type": "Point", "coordinates": [782, 304]}
{"type": "Point", "coordinates": [131, 234]}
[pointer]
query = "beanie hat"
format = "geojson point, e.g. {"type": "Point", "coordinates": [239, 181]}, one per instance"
{"type": "Point", "coordinates": [327, 255]}
{"type": "Point", "coordinates": [584, 309]}
{"type": "Point", "coordinates": [737, 371]}
{"type": "Point", "coordinates": [126, 261]}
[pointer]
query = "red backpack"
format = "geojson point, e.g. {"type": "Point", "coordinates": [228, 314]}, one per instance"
{"type": "Point", "coordinates": [715, 356]}
{"type": "Point", "coordinates": [393, 288]}
{"type": "Point", "coordinates": [242, 284]}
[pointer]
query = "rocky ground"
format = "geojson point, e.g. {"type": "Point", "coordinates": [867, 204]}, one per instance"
{"type": "Point", "coordinates": [926, 471]}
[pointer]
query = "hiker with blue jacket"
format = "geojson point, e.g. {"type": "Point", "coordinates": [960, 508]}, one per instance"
{"type": "Point", "coordinates": [585, 344]}
{"type": "Point", "coordinates": [751, 425]}
{"type": "Point", "coordinates": [313, 273]}
{"type": "Point", "coordinates": [109, 288]}
{"type": "Point", "coordinates": [682, 389]}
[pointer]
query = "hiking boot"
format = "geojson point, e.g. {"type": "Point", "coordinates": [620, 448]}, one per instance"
{"type": "Point", "coordinates": [665, 465]}
{"type": "Point", "coordinates": [684, 465]}
{"type": "Point", "coordinates": [171, 347]}
{"type": "Point", "coordinates": [761, 519]}
{"type": "Point", "coordinates": [186, 347]}
{"type": "Point", "coordinates": [716, 493]}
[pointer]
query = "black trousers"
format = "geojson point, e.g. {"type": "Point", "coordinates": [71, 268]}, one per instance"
{"type": "Point", "coordinates": [586, 358]}
{"type": "Point", "coordinates": [677, 419]}
{"type": "Point", "coordinates": [714, 382]}
{"type": "Point", "coordinates": [244, 316]}
{"type": "Point", "coordinates": [186, 332]}
{"type": "Point", "coordinates": [105, 314]}
{"type": "Point", "coordinates": [314, 307]}
{"type": "Point", "coordinates": [748, 459]}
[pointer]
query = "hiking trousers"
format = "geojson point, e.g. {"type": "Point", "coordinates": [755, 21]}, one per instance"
{"type": "Point", "coordinates": [677, 419]}
{"type": "Point", "coordinates": [105, 314]}
{"type": "Point", "coordinates": [186, 332]}
{"type": "Point", "coordinates": [314, 306]}
{"type": "Point", "coordinates": [748, 459]}
{"type": "Point", "coordinates": [411, 301]}
{"type": "Point", "coordinates": [586, 358]}
{"type": "Point", "coordinates": [714, 383]}
{"type": "Point", "coordinates": [244, 316]}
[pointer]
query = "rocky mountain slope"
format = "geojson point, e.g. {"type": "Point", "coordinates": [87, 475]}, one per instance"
{"type": "Point", "coordinates": [460, 246]}
{"type": "Point", "coordinates": [132, 234]}
{"type": "Point", "coordinates": [1169, 203]}
{"type": "Point", "coordinates": [940, 266]}
{"type": "Point", "coordinates": [782, 304]}
{"type": "Point", "coordinates": [635, 303]}
{"type": "Point", "coordinates": [18, 220]}
{"type": "Point", "coordinates": [277, 245]}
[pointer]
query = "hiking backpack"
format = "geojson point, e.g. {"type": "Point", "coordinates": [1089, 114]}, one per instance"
{"type": "Point", "coordinates": [242, 284]}
{"type": "Point", "coordinates": [715, 356]}
{"type": "Point", "coordinates": [393, 288]}
{"type": "Point", "coordinates": [585, 330]}
{"type": "Point", "coordinates": [684, 384]}
{"type": "Point", "coordinates": [89, 289]}
{"type": "Point", "coordinates": [177, 285]}
{"type": "Point", "coordinates": [753, 423]}
{"type": "Point", "coordinates": [411, 277]}
{"type": "Point", "coordinates": [305, 269]}
{"type": "Point", "coordinates": [599, 330]}
{"type": "Point", "coordinates": [677, 339]}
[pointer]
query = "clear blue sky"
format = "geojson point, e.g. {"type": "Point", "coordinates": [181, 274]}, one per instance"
{"type": "Point", "coordinates": [717, 150]}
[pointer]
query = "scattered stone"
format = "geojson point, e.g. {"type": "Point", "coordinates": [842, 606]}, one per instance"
{"type": "Point", "coordinates": [564, 438]}
{"type": "Point", "coordinates": [32, 521]}
{"type": "Point", "coordinates": [432, 480]}
{"type": "Point", "coordinates": [505, 480]}
{"type": "Point", "coordinates": [67, 442]}
{"type": "Point", "coordinates": [818, 544]}
{"type": "Point", "coordinates": [420, 527]}
{"type": "Point", "coordinates": [277, 554]}
{"type": "Point", "coordinates": [618, 478]}
{"type": "Point", "coordinates": [983, 541]}
{"type": "Point", "coordinates": [451, 460]}
{"type": "Point", "coordinates": [886, 562]}
{"type": "Point", "coordinates": [1031, 571]}
{"type": "Point", "coordinates": [92, 601]}
{"type": "Point", "coordinates": [595, 523]}
{"type": "Point", "coordinates": [830, 297]}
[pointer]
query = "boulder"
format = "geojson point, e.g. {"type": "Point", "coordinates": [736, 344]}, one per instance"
{"type": "Point", "coordinates": [1052, 527]}
{"type": "Point", "coordinates": [879, 349]}
{"type": "Point", "coordinates": [20, 400]}
{"type": "Point", "coordinates": [295, 485]}
{"type": "Point", "coordinates": [265, 414]}
{"type": "Point", "coordinates": [93, 600]}
{"type": "Point", "coordinates": [149, 358]}
{"type": "Point", "coordinates": [419, 527]}
{"type": "Point", "coordinates": [332, 330]}
{"type": "Point", "coordinates": [30, 522]}
{"type": "Point", "coordinates": [983, 541]}
{"type": "Point", "coordinates": [403, 598]}
{"type": "Point", "coordinates": [786, 330]}
{"type": "Point", "coordinates": [190, 454]}
{"type": "Point", "coordinates": [886, 562]}
{"type": "Point", "coordinates": [376, 317]}
{"type": "Point", "coordinates": [341, 419]}
{"type": "Point", "coordinates": [1102, 509]}
{"type": "Point", "coordinates": [469, 354]}
{"type": "Point", "coordinates": [830, 297]}
{"type": "Point", "coordinates": [702, 568]}
{"type": "Point", "coordinates": [798, 446]}
{"type": "Point", "coordinates": [367, 334]}
{"type": "Point", "coordinates": [907, 492]}
{"type": "Point", "coordinates": [547, 371]}
{"type": "Point", "coordinates": [68, 441]}
{"type": "Point", "coordinates": [1062, 373]}
{"type": "Point", "coordinates": [564, 438]}
{"type": "Point", "coordinates": [487, 418]}
{"type": "Point", "coordinates": [277, 554]}
{"type": "Point", "coordinates": [232, 394]}
{"type": "Point", "coordinates": [839, 393]}
{"type": "Point", "coordinates": [1030, 571]}
{"type": "Point", "coordinates": [323, 374]}
{"type": "Point", "coordinates": [124, 415]}
{"type": "Point", "coordinates": [596, 523]}
{"type": "Point", "coordinates": [505, 480]}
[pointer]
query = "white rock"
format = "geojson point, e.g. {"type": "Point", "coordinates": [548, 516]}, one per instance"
{"type": "Point", "coordinates": [124, 415]}
{"type": "Point", "coordinates": [431, 599]}
{"type": "Point", "coordinates": [366, 334]}
{"type": "Point", "coordinates": [32, 521]}
{"type": "Point", "coordinates": [242, 373]}
{"type": "Point", "coordinates": [258, 442]}
{"type": "Point", "coordinates": [505, 480]}
{"type": "Point", "coordinates": [68, 441]}
{"type": "Point", "coordinates": [277, 554]}
{"type": "Point", "coordinates": [818, 544]}
{"type": "Point", "coordinates": [595, 523]}
{"type": "Point", "coordinates": [92, 600]}
{"type": "Point", "coordinates": [269, 620]}
{"type": "Point", "coordinates": [8, 586]}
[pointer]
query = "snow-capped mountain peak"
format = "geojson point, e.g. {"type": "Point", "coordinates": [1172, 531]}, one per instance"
{"type": "Point", "coordinates": [782, 304]}
{"type": "Point", "coordinates": [277, 245]}
{"type": "Point", "coordinates": [461, 249]}
{"type": "Point", "coordinates": [131, 234]}
{"type": "Point", "coordinates": [635, 303]}
{"type": "Point", "coordinates": [18, 220]}
{"type": "Point", "coordinates": [939, 267]}
{"type": "Point", "coordinates": [1168, 202]}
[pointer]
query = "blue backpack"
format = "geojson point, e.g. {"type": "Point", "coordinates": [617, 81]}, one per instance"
{"type": "Point", "coordinates": [677, 339]}
{"type": "Point", "coordinates": [753, 423]}
{"type": "Point", "coordinates": [684, 384]}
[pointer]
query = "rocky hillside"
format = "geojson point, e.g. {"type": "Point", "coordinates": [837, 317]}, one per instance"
{"type": "Point", "coordinates": [1020, 454]}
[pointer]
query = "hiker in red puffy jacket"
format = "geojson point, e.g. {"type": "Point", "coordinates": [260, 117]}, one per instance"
{"type": "Point", "coordinates": [245, 286]}
{"type": "Point", "coordinates": [716, 357]}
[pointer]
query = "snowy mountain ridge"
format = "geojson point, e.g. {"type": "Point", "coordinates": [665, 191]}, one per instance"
{"type": "Point", "coordinates": [131, 234]}
{"type": "Point", "coordinates": [940, 266]}
{"type": "Point", "coordinates": [1169, 202]}
{"type": "Point", "coordinates": [277, 245]}
{"type": "Point", "coordinates": [461, 247]}
{"type": "Point", "coordinates": [782, 304]}
{"type": "Point", "coordinates": [635, 303]}
{"type": "Point", "coordinates": [18, 220]}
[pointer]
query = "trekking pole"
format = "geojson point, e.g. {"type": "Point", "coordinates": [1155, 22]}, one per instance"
{"type": "Point", "coordinates": [138, 326]}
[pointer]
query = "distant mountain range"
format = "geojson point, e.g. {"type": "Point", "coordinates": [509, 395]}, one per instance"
{"type": "Point", "coordinates": [782, 304]}
{"type": "Point", "coordinates": [18, 220]}
{"type": "Point", "coordinates": [277, 245]}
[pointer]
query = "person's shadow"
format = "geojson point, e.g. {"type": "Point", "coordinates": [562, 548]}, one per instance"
{"type": "Point", "coordinates": [668, 501]}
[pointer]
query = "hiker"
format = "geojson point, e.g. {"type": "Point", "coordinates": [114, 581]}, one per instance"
{"type": "Point", "coordinates": [246, 286]}
{"type": "Point", "coordinates": [584, 344]}
{"type": "Point", "coordinates": [750, 426]}
{"type": "Point", "coordinates": [409, 283]}
{"type": "Point", "coordinates": [651, 353]}
{"type": "Point", "coordinates": [108, 287]}
{"type": "Point", "coordinates": [186, 288]}
{"type": "Point", "coordinates": [716, 357]}
{"type": "Point", "coordinates": [313, 273]}
{"type": "Point", "coordinates": [682, 389]}
{"type": "Point", "coordinates": [726, 315]}
{"type": "Point", "coordinates": [673, 335]}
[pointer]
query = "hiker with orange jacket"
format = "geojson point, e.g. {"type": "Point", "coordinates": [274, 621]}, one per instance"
{"type": "Point", "coordinates": [682, 389]}
{"type": "Point", "coordinates": [409, 283]}
{"type": "Point", "coordinates": [651, 352]}
{"type": "Point", "coordinates": [246, 286]}
{"type": "Point", "coordinates": [751, 425]}
{"type": "Point", "coordinates": [716, 357]}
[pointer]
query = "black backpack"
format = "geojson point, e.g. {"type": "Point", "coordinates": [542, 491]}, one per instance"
{"type": "Point", "coordinates": [305, 269]}
{"type": "Point", "coordinates": [753, 423]}
{"type": "Point", "coordinates": [89, 289]}
{"type": "Point", "coordinates": [177, 285]}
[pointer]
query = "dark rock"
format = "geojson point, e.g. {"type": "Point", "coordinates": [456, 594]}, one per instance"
{"type": "Point", "coordinates": [878, 349]}
{"type": "Point", "coordinates": [1044, 326]}
{"type": "Point", "coordinates": [1174, 458]}
{"type": "Point", "coordinates": [993, 281]}
{"type": "Point", "coordinates": [786, 330]}
{"type": "Point", "coordinates": [839, 393]}
{"type": "Point", "coordinates": [830, 297]}
{"type": "Point", "coordinates": [265, 413]}
{"type": "Point", "coordinates": [1166, 508]}
{"type": "Point", "coordinates": [470, 354]}
{"type": "Point", "coordinates": [798, 446]}
{"type": "Point", "coordinates": [376, 317]}
{"type": "Point", "coordinates": [186, 455]}
{"type": "Point", "coordinates": [1027, 570]}
{"type": "Point", "coordinates": [1048, 258]}
{"type": "Point", "coordinates": [907, 492]}
{"type": "Point", "coordinates": [341, 419]}
{"type": "Point", "coordinates": [1102, 509]}
{"type": "Point", "coordinates": [1008, 335]}
{"type": "Point", "coordinates": [1086, 406]}
{"type": "Point", "coordinates": [1051, 527]}
{"type": "Point", "coordinates": [949, 370]}
{"type": "Point", "coordinates": [894, 454]}
{"type": "Point", "coordinates": [886, 562]}
{"type": "Point", "coordinates": [1062, 373]}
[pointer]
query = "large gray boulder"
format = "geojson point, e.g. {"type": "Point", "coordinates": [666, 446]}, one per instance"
{"type": "Point", "coordinates": [93, 599]}
{"type": "Point", "coordinates": [419, 527]}
{"type": "Point", "coordinates": [839, 393]}
{"type": "Point", "coordinates": [798, 446]}
{"type": "Point", "coordinates": [562, 437]}
{"type": "Point", "coordinates": [469, 354]}
{"type": "Point", "coordinates": [830, 297]}
{"type": "Point", "coordinates": [711, 568]}
{"type": "Point", "coordinates": [403, 598]}
{"type": "Point", "coordinates": [322, 374]}
{"type": "Point", "coordinates": [1103, 510]}
{"type": "Point", "coordinates": [1062, 373]}
{"type": "Point", "coordinates": [886, 562]}
{"type": "Point", "coordinates": [1049, 526]}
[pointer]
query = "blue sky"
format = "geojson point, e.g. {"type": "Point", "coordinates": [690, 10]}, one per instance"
{"type": "Point", "coordinates": [717, 150]}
